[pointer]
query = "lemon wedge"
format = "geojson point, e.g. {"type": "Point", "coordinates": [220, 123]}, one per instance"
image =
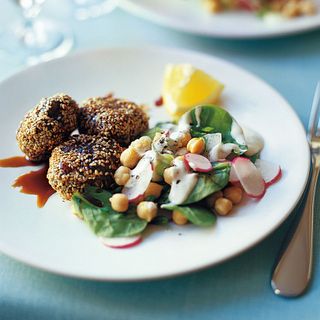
{"type": "Point", "coordinates": [185, 87]}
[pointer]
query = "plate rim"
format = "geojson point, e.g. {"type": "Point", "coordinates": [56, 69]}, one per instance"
{"type": "Point", "coordinates": [162, 20]}
{"type": "Point", "coordinates": [80, 275]}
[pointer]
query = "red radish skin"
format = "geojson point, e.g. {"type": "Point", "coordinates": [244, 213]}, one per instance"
{"type": "Point", "coordinates": [186, 163]}
{"type": "Point", "coordinates": [270, 172]}
{"type": "Point", "coordinates": [121, 243]}
{"type": "Point", "coordinates": [198, 162]}
{"type": "Point", "coordinates": [249, 177]}
{"type": "Point", "coordinates": [275, 179]}
{"type": "Point", "coordinates": [137, 199]}
{"type": "Point", "coordinates": [259, 196]}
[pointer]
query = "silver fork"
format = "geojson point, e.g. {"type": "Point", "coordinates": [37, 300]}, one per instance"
{"type": "Point", "coordinates": [293, 271]}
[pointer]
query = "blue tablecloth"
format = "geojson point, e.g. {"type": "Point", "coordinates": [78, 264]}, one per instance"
{"type": "Point", "coordinates": [237, 289]}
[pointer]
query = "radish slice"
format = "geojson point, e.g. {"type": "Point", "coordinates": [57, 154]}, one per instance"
{"type": "Point", "coordinates": [198, 162]}
{"type": "Point", "coordinates": [139, 181]}
{"type": "Point", "coordinates": [122, 242]}
{"type": "Point", "coordinates": [186, 164]}
{"type": "Point", "coordinates": [233, 178]}
{"type": "Point", "coordinates": [249, 177]}
{"type": "Point", "coordinates": [254, 141]}
{"type": "Point", "coordinates": [270, 172]}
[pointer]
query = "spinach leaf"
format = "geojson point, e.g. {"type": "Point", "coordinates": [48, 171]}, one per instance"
{"type": "Point", "coordinates": [76, 208]}
{"type": "Point", "coordinates": [150, 198]}
{"type": "Point", "coordinates": [96, 210]}
{"type": "Point", "coordinates": [159, 127]}
{"type": "Point", "coordinates": [219, 165]}
{"type": "Point", "coordinates": [209, 183]}
{"type": "Point", "coordinates": [160, 220]}
{"type": "Point", "coordinates": [164, 197]}
{"type": "Point", "coordinates": [197, 215]}
{"type": "Point", "coordinates": [152, 132]}
{"type": "Point", "coordinates": [254, 157]}
{"type": "Point", "coordinates": [212, 119]}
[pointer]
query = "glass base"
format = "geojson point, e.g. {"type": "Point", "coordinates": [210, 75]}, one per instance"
{"type": "Point", "coordinates": [87, 9]}
{"type": "Point", "coordinates": [42, 41]}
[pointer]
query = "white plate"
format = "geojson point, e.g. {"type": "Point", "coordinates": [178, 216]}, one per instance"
{"type": "Point", "coordinates": [53, 239]}
{"type": "Point", "coordinates": [190, 16]}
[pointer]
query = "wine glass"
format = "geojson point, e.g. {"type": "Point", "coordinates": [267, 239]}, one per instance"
{"type": "Point", "coordinates": [40, 39]}
{"type": "Point", "coordinates": [86, 9]}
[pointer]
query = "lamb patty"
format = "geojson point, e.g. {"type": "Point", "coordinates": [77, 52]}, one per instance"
{"type": "Point", "coordinates": [83, 160]}
{"type": "Point", "coordinates": [116, 118]}
{"type": "Point", "coordinates": [46, 126]}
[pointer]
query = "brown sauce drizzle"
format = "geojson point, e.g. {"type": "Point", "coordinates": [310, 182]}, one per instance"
{"type": "Point", "coordinates": [36, 182]}
{"type": "Point", "coordinates": [15, 162]}
{"type": "Point", "coordinates": [33, 182]}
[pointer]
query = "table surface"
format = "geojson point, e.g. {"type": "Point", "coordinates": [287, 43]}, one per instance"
{"type": "Point", "coordinates": [236, 289]}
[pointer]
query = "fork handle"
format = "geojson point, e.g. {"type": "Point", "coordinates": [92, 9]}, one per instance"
{"type": "Point", "coordinates": [293, 271]}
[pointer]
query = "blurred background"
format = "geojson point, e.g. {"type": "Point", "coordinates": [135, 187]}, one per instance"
{"type": "Point", "coordinates": [74, 25]}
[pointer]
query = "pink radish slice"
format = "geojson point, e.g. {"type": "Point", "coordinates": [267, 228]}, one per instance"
{"type": "Point", "coordinates": [233, 178]}
{"type": "Point", "coordinates": [270, 172]}
{"type": "Point", "coordinates": [186, 164]}
{"type": "Point", "coordinates": [198, 162]}
{"type": "Point", "coordinates": [139, 181]}
{"type": "Point", "coordinates": [249, 177]}
{"type": "Point", "coordinates": [122, 242]}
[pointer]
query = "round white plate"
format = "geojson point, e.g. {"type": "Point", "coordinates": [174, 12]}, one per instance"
{"type": "Point", "coordinates": [192, 17]}
{"type": "Point", "coordinates": [51, 238]}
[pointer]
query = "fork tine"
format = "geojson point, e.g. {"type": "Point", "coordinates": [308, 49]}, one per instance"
{"type": "Point", "coordinates": [314, 114]}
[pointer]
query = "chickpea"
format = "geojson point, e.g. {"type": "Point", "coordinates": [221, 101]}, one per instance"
{"type": "Point", "coordinates": [223, 206]}
{"type": "Point", "coordinates": [129, 158]}
{"type": "Point", "coordinates": [290, 9]}
{"type": "Point", "coordinates": [196, 145]}
{"type": "Point", "coordinates": [234, 194]}
{"type": "Point", "coordinates": [168, 175]}
{"type": "Point", "coordinates": [276, 6]}
{"type": "Point", "coordinates": [210, 201]}
{"type": "Point", "coordinates": [141, 145]}
{"type": "Point", "coordinates": [119, 202]}
{"type": "Point", "coordinates": [179, 218]}
{"type": "Point", "coordinates": [185, 138]}
{"type": "Point", "coordinates": [147, 210]}
{"type": "Point", "coordinates": [154, 189]}
{"type": "Point", "coordinates": [122, 175]}
{"type": "Point", "coordinates": [213, 5]}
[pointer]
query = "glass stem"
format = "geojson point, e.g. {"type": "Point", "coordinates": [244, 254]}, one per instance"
{"type": "Point", "coordinates": [30, 11]}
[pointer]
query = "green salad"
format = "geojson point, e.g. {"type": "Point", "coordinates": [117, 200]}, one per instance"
{"type": "Point", "coordinates": [185, 172]}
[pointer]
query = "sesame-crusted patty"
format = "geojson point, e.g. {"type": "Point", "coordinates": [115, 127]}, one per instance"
{"type": "Point", "coordinates": [120, 119]}
{"type": "Point", "coordinates": [47, 125]}
{"type": "Point", "coordinates": [83, 160]}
